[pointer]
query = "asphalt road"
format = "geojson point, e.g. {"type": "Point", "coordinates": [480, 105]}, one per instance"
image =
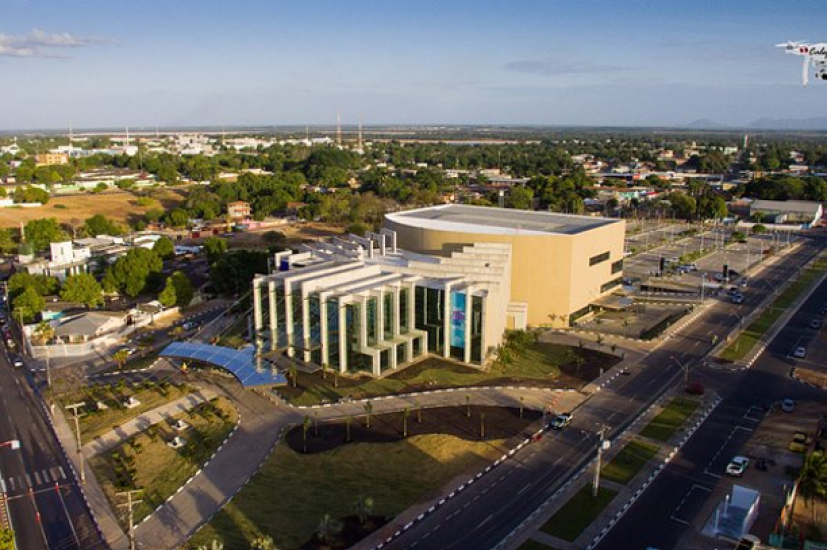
{"type": "Point", "coordinates": [652, 520]}
{"type": "Point", "coordinates": [45, 503]}
{"type": "Point", "coordinates": [490, 509]}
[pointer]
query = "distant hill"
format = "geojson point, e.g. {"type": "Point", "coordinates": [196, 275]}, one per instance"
{"type": "Point", "coordinates": [706, 124]}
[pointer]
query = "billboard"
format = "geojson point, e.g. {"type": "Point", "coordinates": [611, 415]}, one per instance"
{"type": "Point", "coordinates": [458, 319]}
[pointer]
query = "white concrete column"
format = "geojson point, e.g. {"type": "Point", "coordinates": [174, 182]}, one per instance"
{"type": "Point", "coordinates": [380, 316]}
{"type": "Point", "coordinates": [363, 322]}
{"type": "Point", "coordinates": [257, 305]}
{"type": "Point", "coordinates": [323, 330]}
{"type": "Point", "coordinates": [342, 337]}
{"type": "Point", "coordinates": [396, 312]}
{"type": "Point", "coordinates": [484, 326]}
{"type": "Point", "coordinates": [288, 318]}
{"type": "Point", "coordinates": [446, 323]}
{"type": "Point", "coordinates": [305, 305]}
{"type": "Point", "coordinates": [271, 295]}
{"type": "Point", "coordinates": [469, 303]}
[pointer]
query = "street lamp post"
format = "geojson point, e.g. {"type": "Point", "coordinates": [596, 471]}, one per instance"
{"type": "Point", "coordinates": [601, 446]}
{"type": "Point", "coordinates": [74, 408]}
{"type": "Point", "coordinates": [685, 368]}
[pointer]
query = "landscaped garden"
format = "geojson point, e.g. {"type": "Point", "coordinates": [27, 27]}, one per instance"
{"type": "Point", "coordinates": [529, 363]}
{"type": "Point", "coordinates": [105, 407]}
{"type": "Point", "coordinates": [318, 499]}
{"type": "Point", "coordinates": [578, 513]}
{"type": "Point", "coordinates": [672, 417]}
{"type": "Point", "coordinates": [148, 462]}
{"type": "Point", "coordinates": [629, 461]}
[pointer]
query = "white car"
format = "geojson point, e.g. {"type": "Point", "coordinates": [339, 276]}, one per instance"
{"type": "Point", "coordinates": [800, 352]}
{"type": "Point", "coordinates": [737, 466]}
{"type": "Point", "coordinates": [561, 421]}
{"type": "Point", "coordinates": [788, 405]}
{"type": "Point", "coordinates": [17, 362]}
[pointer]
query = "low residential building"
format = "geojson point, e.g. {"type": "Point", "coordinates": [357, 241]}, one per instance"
{"type": "Point", "coordinates": [51, 159]}
{"type": "Point", "coordinates": [239, 210]}
{"type": "Point", "coordinates": [64, 260]}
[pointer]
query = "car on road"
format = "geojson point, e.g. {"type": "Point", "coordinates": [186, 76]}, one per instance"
{"type": "Point", "coordinates": [737, 466]}
{"type": "Point", "coordinates": [800, 352]}
{"type": "Point", "coordinates": [787, 405]}
{"type": "Point", "coordinates": [800, 443]}
{"type": "Point", "coordinates": [17, 361]}
{"type": "Point", "coordinates": [561, 421]}
{"type": "Point", "coordinates": [737, 299]}
{"type": "Point", "coordinates": [815, 324]}
{"type": "Point", "coordinates": [823, 311]}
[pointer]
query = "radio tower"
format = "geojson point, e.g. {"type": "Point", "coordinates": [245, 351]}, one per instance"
{"type": "Point", "coordinates": [338, 129]}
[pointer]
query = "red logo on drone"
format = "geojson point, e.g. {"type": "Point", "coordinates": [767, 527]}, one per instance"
{"type": "Point", "coordinates": [803, 49]}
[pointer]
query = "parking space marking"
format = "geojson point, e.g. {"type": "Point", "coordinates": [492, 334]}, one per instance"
{"type": "Point", "coordinates": [721, 449]}
{"type": "Point", "coordinates": [676, 513]}
{"type": "Point", "coordinates": [749, 414]}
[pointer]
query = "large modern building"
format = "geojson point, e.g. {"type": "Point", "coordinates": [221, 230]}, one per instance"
{"type": "Point", "coordinates": [366, 305]}
{"type": "Point", "coordinates": [561, 264]}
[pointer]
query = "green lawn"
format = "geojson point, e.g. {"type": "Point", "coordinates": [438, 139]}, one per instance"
{"type": "Point", "coordinates": [670, 419]}
{"type": "Point", "coordinates": [97, 422]}
{"type": "Point", "coordinates": [578, 513]}
{"type": "Point", "coordinates": [146, 462]}
{"type": "Point", "coordinates": [628, 462]}
{"type": "Point", "coordinates": [752, 334]}
{"type": "Point", "coordinates": [291, 492]}
{"type": "Point", "coordinates": [534, 545]}
{"type": "Point", "coordinates": [539, 363]}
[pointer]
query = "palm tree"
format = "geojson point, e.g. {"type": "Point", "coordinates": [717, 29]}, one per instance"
{"type": "Point", "coordinates": [291, 370]}
{"type": "Point", "coordinates": [812, 481]}
{"type": "Point", "coordinates": [215, 544]}
{"type": "Point", "coordinates": [552, 317]}
{"type": "Point", "coordinates": [363, 508]}
{"type": "Point", "coordinates": [368, 412]}
{"type": "Point", "coordinates": [44, 332]}
{"type": "Point", "coordinates": [328, 528]}
{"type": "Point", "coordinates": [305, 428]}
{"type": "Point", "coordinates": [120, 358]}
{"type": "Point", "coordinates": [263, 543]}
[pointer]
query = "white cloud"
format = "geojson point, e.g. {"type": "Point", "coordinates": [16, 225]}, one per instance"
{"type": "Point", "coordinates": [39, 43]}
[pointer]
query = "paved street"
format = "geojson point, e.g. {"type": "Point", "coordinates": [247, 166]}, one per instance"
{"type": "Point", "coordinates": [46, 506]}
{"type": "Point", "coordinates": [650, 522]}
{"type": "Point", "coordinates": [486, 513]}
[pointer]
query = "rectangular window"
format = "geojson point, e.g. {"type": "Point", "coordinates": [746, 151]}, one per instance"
{"type": "Point", "coordinates": [617, 266]}
{"type": "Point", "coordinates": [610, 285]}
{"type": "Point", "coordinates": [403, 311]}
{"type": "Point", "coordinates": [594, 260]}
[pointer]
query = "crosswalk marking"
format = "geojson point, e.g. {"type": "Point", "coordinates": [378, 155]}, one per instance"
{"type": "Point", "coordinates": [62, 473]}
{"type": "Point", "coordinates": [28, 481]}
{"type": "Point", "coordinates": [12, 484]}
{"type": "Point", "coordinates": [36, 478]}
{"type": "Point", "coordinates": [33, 480]}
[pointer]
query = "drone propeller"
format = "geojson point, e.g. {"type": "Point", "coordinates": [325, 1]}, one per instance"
{"type": "Point", "coordinates": [791, 44]}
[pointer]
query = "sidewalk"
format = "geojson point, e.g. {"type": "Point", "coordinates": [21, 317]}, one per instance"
{"type": "Point", "coordinates": [92, 492]}
{"type": "Point", "coordinates": [626, 493]}
{"type": "Point", "coordinates": [135, 426]}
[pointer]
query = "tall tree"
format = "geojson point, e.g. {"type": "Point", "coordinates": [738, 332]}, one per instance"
{"type": "Point", "coordinates": [41, 232]}
{"type": "Point", "coordinates": [28, 304]}
{"type": "Point", "coordinates": [164, 248]}
{"type": "Point", "coordinates": [133, 273]}
{"type": "Point", "coordinates": [83, 289]}
{"type": "Point", "coordinates": [101, 225]}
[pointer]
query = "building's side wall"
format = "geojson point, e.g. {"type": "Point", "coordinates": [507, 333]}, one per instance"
{"type": "Point", "coordinates": [551, 273]}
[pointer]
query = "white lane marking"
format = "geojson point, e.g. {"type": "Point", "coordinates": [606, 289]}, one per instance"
{"type": "Point", "coordinates": [524, 489]}
{"type": "Point", "coordinates": [486, 520]}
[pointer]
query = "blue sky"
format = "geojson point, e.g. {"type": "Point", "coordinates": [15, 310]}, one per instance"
{"type": "Point", "coordinates": [96, 63]}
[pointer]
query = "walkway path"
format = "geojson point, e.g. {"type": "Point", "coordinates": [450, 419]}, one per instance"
{"type": "Point", "coordinates": [135, 426]}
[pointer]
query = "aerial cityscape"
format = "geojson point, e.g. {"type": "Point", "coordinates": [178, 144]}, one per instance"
{"type": "Point", "coordinates": [425, 276]}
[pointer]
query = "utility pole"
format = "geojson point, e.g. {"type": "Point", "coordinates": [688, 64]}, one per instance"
{"type": "Point", "coordinates": [130, 504]}
{"type": "Point", "coordinates": [74, 408]}
{"type": "Point", "coordinates": [601, 446]}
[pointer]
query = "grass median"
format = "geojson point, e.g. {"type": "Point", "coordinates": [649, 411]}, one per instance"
{"type": "Point", "coordinates": [628, 462]}
{"type": "Point", "coordinates": [750, 336]}
{"type": "Point", "coordinates": [578, 513]}
{"type": "Point", "coordinates": [672, 417]}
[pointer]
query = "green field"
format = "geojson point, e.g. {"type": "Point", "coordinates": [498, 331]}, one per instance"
{"type": "Point", "coordinates": [96, 422]}
{"type": "Point", "coordinates": [752, 334]}
{"type": "Point", "coordinates": [538, 363]}
{"type": "Point", "coordinates": [292, 491]}
{"type": "Point", "coordinates": [628, 462]}
{"type": "Point", "coordinates": [146, 462]}
{"type": "Point", "coordinates": [670, 419]}
{"type": "Point", "coordinates": [578, 513]}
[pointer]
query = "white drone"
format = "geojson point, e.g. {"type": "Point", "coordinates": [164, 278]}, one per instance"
{"type": "Point", "coordinates": [812, 53]}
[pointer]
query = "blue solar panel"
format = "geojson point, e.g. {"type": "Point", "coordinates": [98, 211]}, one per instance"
{"type": "Point", "coordinates": [240, 363]}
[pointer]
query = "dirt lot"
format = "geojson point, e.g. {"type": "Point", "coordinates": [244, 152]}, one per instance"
{"type": "Point", "coordinates": [500, 423]}
{"type": "Point", "coordinates": [296, 233]}
{"type": "Point", "coordinates": [121, 206]}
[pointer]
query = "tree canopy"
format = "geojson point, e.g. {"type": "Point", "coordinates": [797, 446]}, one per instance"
{"type": "Point", "coordinates": [82, 288]}
{"type": "Point", "coordinates": [139, 270]}
{"type": "Point", "coordinates": [178, 291]}
{"type": "Point", "coordinates": [41, 232]}
{"type": "Point", "coordinates": [164, 248]}
{"type": "Point", "coordinates": [101, 225]}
